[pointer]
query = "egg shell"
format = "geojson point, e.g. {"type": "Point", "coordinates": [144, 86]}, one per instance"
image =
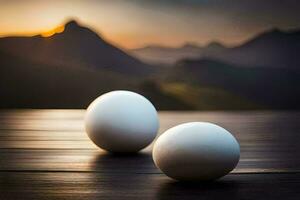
{"type": "Point", "coordinates": [196, 151]}
{"type": "Point", "coordinates": [121, 122]}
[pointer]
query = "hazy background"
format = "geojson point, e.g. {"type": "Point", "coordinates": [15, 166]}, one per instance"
{"type": "Point", "coordinates": [136, 23]}
{"type": "Point", "coordinates": [195, 55]}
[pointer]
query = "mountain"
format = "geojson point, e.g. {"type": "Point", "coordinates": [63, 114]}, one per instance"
{"type": "Point", "coordinates": [274, 49]}
{"type": "Point", "coordinates": [71, 68]}
{"type": "Point", "coordinates": [76, 47]}
{"type": "Point", "coordinates": [212, 48]}
{"type": "Point", "coordinates": [275, 88]}
{"type": "Point", "coordinates": [26, 84]}
{"type": "Point", "coordinates": [169, 56]}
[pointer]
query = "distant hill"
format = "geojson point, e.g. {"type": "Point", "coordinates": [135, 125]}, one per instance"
{"type": "Point", "coordinates": [26, 84]}
{"type": "Point", "coordinates": [267, 87]}
{"type": "Point", "coordinates": [66, 70]}
{"type": "Point", "coordinates": [169, 56]}
{"type": "Point", "coordinates": [71, 68]}
{"type": "Point", "coordinates": [76, 47]}
{"type": "Point", "coordinates": [274, 49]}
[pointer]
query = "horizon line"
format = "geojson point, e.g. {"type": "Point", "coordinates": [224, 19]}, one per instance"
{"type": "Point", "coordinates": [43, 34]}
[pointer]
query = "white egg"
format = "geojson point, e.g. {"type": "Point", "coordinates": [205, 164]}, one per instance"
{"type": "Point", "coordinates": [121, 121]}
{"type": "Point", "coordinates": [196, 151]}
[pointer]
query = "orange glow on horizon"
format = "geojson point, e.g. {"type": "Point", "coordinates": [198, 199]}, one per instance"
{"type": "Point", "coordinates": [58, 29]}
{"type": "Point", "coordinates": [123, 40]}
{"type": "Point", "coordinates": [134, 24]}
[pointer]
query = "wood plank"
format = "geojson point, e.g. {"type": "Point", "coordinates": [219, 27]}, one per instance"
{"type": "Point", "coordinates": [75, 186]}
{"type": "Point", "coordinates": [45, 154]}
{"type": "Point", "coordinates": [87, 160]}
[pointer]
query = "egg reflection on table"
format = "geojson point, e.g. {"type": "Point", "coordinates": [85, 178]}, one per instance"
{"type": "Point", "coordinates": [121, 122]}
{"type": "Point", "coordinates": [196, 151]}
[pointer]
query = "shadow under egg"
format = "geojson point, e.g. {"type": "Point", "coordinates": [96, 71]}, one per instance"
{"type": "Point", "coordinates": [124, 164]}
{"type": "Point", "coordinates": [217, 189]}
{"type": "Point", "coordinates": [122, 175]}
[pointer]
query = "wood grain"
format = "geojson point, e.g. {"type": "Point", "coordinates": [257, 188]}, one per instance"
{"type": "Point", "coordinates": [45, 154]}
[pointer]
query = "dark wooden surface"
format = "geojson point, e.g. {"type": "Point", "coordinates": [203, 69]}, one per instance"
{"type": "Point", "coordinates": [45, 154]}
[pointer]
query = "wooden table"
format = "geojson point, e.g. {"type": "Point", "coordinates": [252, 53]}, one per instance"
{"type": "Point", "coordinates": [45, 154]}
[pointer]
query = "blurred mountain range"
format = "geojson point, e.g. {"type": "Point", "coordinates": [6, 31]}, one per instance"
{"type": "Point", "coordinates": [160, 55]}
{"type": "Point", "coordinates": [70, 69]}
{"type": "Point", "coordinates": [274, 49]}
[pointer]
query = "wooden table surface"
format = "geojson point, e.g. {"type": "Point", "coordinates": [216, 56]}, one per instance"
{"type": "Point", "coordinates": [45, 154]}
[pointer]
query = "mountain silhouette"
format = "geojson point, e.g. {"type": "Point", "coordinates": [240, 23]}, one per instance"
{"type": "Point", "coordinates": [168, 56]}
{"type": "Point", "coordinates": [26, 84]}
{"type": "Point", "coordinates": [76, 47]}
{"type": "Point", "coordinates": [71, 68]}
{"type": "Point", "coordinates": [274, 48]}
{"type": "Point", "coordinates": [268, 87]}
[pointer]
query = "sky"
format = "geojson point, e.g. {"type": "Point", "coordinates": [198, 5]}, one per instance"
{"type": "Point", "coordinates": [137, 23]}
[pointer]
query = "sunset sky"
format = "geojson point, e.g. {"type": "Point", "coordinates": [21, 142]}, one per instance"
{"type": "Point", "coordinates": [136, 23]}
